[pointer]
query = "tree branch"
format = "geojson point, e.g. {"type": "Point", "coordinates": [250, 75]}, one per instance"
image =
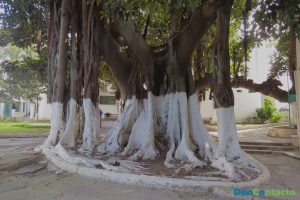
{"type": "Point", "coordinates": [118, 63]}
{"type": "Point", "coordinates": [139, 48]}
{"type": "Point", "coordinates": [269, 87]}
{"type": "Point", "coordinates": [202, 18]}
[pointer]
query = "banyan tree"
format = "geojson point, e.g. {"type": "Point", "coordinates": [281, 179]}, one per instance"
{"type": "Point", "coordinates": [161, 116]}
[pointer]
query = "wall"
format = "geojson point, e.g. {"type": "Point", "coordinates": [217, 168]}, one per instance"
{"type": "Point", "coordinates": [245, 105]}
{"type": "Point", "coordinates": [108, 107]}
{"type": "Point", "coordinates": [1, 110]}
{"type": "Point", "coordinates": [44, 108]}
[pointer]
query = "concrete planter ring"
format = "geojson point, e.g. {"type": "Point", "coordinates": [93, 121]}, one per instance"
{"type": "Point", "coordinates": [282, 131]}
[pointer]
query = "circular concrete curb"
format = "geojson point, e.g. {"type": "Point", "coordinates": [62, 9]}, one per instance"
{"type": "Point", "coordinates": [153, 181]}
{"type": "Point", "coordinates": [281, 131]}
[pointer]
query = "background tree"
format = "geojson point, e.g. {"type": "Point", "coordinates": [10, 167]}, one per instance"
{"type": "Point", "coordinates": [24, 23]}
{"type": "Point", "coordinates": [22, 76]}
{"type": "Point", "coordinates": [268, 20]}
{"type": "Point", "coordinates": [23, 79]}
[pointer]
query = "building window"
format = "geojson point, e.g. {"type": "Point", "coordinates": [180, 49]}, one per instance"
{"type": "Point", "coordinates": [16, 106]}
{"type": "Point", "coordinates": [107, 100]}
{"type": "Point", "coordinates": [239, 91]}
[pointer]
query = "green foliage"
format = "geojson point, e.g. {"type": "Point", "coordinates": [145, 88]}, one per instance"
{"type": "Point", "coordinates": [274, 17]}
{"type": "Point", "coordinates": [11, 53]}
{"type": "Point", "coordinates": [22, 78]}
{"type": "Point", "coordinates": [160, 12]}
{"type": "Point", "coordinates": [276, 116]}
{"type": "Point", "coordinates": [268, 111]}
{"type": "Point", "coordinates": [280, 59]}
{"type": "Point", "coordinates": [21, 20]}
{"type": "Point", "coordinates": [22, 70]}
{"type": "Point", "coordinates": [18, 127]}
{"type": "Point", "coordinates": [262, 114]}
{"type": "Point", "coordinates": [106, 78]}
{"type": "Point", "coordinates": [236, 48]}
{"type": "Point", "coordinates": [269, 106]}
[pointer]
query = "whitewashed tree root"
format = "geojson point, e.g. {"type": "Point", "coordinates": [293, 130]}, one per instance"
{"type": "Point", "coordinates": [171, 122]}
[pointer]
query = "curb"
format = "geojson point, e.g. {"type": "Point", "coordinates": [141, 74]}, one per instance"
{"type": "Point", "coordinates": [153, 181]}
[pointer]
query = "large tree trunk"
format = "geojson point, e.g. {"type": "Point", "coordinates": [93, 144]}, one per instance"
{"type": "Point", "coordinates": [57, 116]}
{"type": "Point", "coordinates": [74, 104]}
{"type": "Point", "coordinates": [161, 114]}
{"type": "Point", "coordinates": [91, 61]}
{"type": "Point", "coordinates": [229, 155]}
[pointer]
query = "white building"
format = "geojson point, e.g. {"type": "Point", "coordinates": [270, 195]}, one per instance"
{"type": "Point", "coordinates": [44, 109]}
{"type": "Point", "coordinates": [245, 105]}
{"type": "Point", "coordinates": [16, 109]}
{"type": "Point", "coordinates": [108, 104]}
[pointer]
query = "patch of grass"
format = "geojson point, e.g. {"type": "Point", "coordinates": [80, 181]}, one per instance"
{"type": "Point", "coordinates": [18, 127]}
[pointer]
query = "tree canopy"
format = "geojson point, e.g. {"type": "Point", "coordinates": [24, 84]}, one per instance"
{"type": "Point", "coordinates": [23, 74]}
{"type": "Point", "coordinates": [251, 23]}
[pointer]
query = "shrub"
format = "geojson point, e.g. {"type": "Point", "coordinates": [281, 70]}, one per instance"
{"type": "Point", "coordinates": [269, 106]}
{"type": "Point", "coordinates": [262, 114]}
{"type": "Point", "coordinates": [276, 116]}
{"type": "Point", "coordinates": [268, 111]}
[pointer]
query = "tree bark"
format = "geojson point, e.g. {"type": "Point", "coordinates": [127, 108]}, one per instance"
{"type": "Point", "coordinates": [292, 60]}
{"type": "Point", "coordinates": [270, 87]}
{"type": "Point", "coordinates": [223, 95]}
{"type": "Point", "coordinates": [62, 55]}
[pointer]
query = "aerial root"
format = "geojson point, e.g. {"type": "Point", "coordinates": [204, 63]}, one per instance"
{"type": "Point", "coordinates": [170, 157]}
{"type": "Point", "coordinates": [119, 134]}
{"type": "Point", "coordinates": [91, 126]}
{"type": "Point", "coordinates": [149, 153]}
{"type": "Point", "coordinates": [171, 120]}
{"type": "Point", "coordinates": [69, 136]}
{"type": "Point", "coordinates": [224, 166]}
{"type": "Point", "coordinates": [111, 164]}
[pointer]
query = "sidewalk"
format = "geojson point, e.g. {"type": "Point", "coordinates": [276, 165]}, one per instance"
{"type": "Point", "coordinates": [256, 135]}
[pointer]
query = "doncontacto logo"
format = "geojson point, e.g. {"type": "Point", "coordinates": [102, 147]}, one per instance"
{"type": "Point", "coordinates": [263, 192]}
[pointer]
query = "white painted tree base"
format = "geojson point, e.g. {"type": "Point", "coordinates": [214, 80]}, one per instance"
{"type": "Point", "coordinates": [57, 125]}
{"type": "Point", "coordinates": [72, 127]}
{"type": "Point", "coordinates": [177, 118]}
{"type": "Point", "coordinates": [121, 129]}
{"type": "Point", "coordinates": [91, 125]}
{"type": "Point", "coordinates": [184, 184]}
{"type": "Point", "coordinates": [169, 126]}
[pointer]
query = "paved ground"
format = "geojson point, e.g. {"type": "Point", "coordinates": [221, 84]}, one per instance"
{"type": "Point", "coordinates": [257, 135]}
{"type": "Point", "coordinates": [25, 176]}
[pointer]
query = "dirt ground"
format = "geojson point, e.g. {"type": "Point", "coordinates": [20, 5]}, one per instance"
{"type": "Point", "coordinates": [25, 176]}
